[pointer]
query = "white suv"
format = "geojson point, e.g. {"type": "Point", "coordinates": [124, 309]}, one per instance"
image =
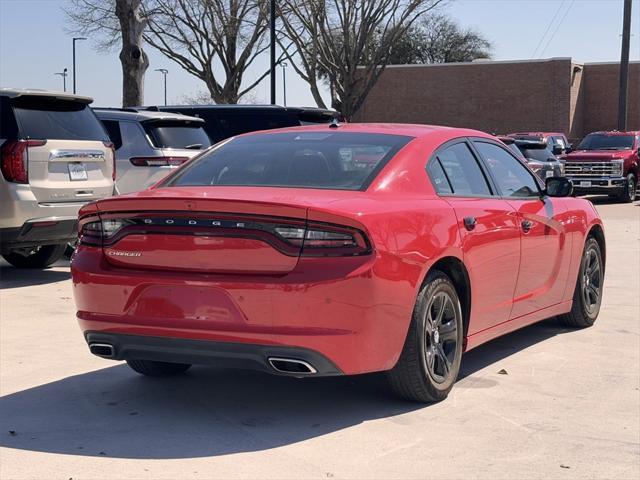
{"type": "Point", "coordinates": [55, 156]}
{"type": "Point", "coordinates": [149, 145]}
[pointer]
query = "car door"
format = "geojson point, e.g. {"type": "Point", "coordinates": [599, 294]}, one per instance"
{"type": "Point", "coordinates": [544, 243]}
{"type": "Point", "coordinates": [489, 231]}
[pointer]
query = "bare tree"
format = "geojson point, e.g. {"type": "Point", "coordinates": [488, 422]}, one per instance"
{"type": "Point", "coordinates": [112, 23]}
{"type": "Point", "coordinates": [346, 42]}
{"type": "Point", "coordinates": [439, 39]}
{"type": "Point", "coordinates": [202, 35]}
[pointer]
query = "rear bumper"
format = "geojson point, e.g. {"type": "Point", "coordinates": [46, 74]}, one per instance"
{"type": "Point", "coordinates": [340, 308]}
{"type": "Point", "coordinates": [598, 185]}
{"type": "Point", "coordinates": [39, 231]}
{"type": "Point", "coordinates": [201, 352]}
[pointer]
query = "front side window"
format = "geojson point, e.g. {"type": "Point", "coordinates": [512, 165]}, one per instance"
{"type": "Point", "coordinates": [461, 170]}
{"type": "Point", "coordinates": [511, 176]}
{"type": "Point", "coordinates": [328, 160]}
{"type": "Point", "coordinates": [600, 141]}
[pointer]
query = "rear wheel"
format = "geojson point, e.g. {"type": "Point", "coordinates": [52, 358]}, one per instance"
{"type": "Point", "coordinates": [628, 195]}
{"type": "Point", "coordinates": [158, 369]}
{"type": "Point", "coordinates": [432, 353]}
{"type": "Point", "coordinates": [38, 257]}
{"type": "Point", "coordinates": [587, 295]}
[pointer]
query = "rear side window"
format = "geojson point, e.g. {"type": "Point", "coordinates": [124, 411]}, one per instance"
{"type": "Point", "coordinates": [113, 129]}
{"type": "Point", "coordinates": [55, 119]}
{"type": "Point", "coordinates": [340, 161]}
{"type": "Point", "coordinates": [177, 135]}
{"type": "Point", "coordinates": [462, 171]}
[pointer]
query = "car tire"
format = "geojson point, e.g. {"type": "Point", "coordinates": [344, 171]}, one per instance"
{"type": "Point", "coordinates": [628, 194]}
{"type": "Point", "coordinates": [152, 368]}
{"type": "Point", "coordinates": [41, 257]}
{"type": "Point", "coordinates": [587, 296]}
{"type": "Point", "coordinates": [430, 362]}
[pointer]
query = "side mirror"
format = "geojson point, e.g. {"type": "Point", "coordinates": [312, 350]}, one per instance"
{"type": "Point", "coordinates": [569, 148]}
{"type": "Point", "coordinates": [557, 150]}
{"type": "Point", "coordinates": [558, 187]}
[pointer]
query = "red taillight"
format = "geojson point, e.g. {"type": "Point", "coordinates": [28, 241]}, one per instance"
{"type": "Point", "coordinates": [111, 146]}
{"type": "Point", "coordinates": [15, 159]}
{"type": "Point", "coordinates": [157, 161]}
{"type": "Point", "coordinates": [321, 240]}
{"type": "Point", "coordinates": [90, 231]}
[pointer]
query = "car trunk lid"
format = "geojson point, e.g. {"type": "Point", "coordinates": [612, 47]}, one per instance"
{"type": "Point", "coordinates": [70, 171]}
{"type": "Point", "coordinates": [204, 235]}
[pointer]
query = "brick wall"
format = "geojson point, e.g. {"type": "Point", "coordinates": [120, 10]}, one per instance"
{"type": "Point", "coordinates": [547, 95]}
{"type": "Point", "coordinates": [601, 94]}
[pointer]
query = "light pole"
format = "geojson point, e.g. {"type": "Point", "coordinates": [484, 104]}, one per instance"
{"type": "Point", "coordinates": [164, 72]}
{"type": "Point", "coordinates": [284, 66]}
{"type": "Point", "coordinates": [623, 91]}
{"type": "Point", "coordinates": [75, 39]}
{"type": "Point", "coordinates": [272, 51]}
{"type": "Point", "coordinates": [63, 74]}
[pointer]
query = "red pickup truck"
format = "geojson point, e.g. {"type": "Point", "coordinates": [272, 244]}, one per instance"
{"type": "Point", "coordinates": [605, 163]}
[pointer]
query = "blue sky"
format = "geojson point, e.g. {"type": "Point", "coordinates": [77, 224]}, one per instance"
{"type": "Point", "coordinates": [34, 45]}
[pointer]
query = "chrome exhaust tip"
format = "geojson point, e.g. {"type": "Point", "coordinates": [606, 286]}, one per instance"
{"type": "Point", "coordinates": [103, 350]}
{"type": "Point", "coordinates": [291, 366]}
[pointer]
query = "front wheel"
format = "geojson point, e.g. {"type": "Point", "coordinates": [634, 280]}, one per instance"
{"type": "Point", "coordinates": [38, 257]}
{"type": "Point", "coordinates": [587, 295]}
{"type": "Point", "coordinates": [157, 369]}
{"type": "Point", "coordinates": [432, 352]}
{"type": "Point", "coordinates": [628, 195]}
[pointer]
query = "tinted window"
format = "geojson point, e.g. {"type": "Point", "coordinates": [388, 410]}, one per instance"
{"type": "Point", "coordinates": [539, 154]}
{"type": "Point", "coordinates": [462, 171]}
{"type": "Point", "coordinates": [597, 141]}
{"type": "Point", "coordinates": [236, 124]}
{"type": "Point", "coordinates": [438, 177]}
{"type": "Point", "coordinates": [177, 135]}
{"type": "Point", "coordinates": [113, 129]}
{"type": "Point", "coordinates": [49, 118]}
{"type": "Point", "coordinates": [511, 176]}
{"type": "Point", "coordinates": [341, 161]}
{"type": "Point", "coordinates": [8, 127]}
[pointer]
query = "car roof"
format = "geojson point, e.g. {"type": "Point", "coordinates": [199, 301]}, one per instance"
{"type": "Point", "coordinates": [536, 134]}
{"type": "Point", "coordinates": [141, 115]}
{"type": "Point", "coordinates": [616, 132]}
{"type": "Point", "coordinates": [406, 129]}
{"type": "Point", "coordinates": [33, 92]}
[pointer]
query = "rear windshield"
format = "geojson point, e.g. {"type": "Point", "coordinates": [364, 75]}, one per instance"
{"type": "Point", "coordinates": [177, 135]}
{"type": "Point", "coordinates": [339, 161]}
{"type": "Point", "coordinates": [539, 154]}
{"type": "Point", "coordinates": [54, 119]}
{"type": "Point", "coordinates": [606, 142]}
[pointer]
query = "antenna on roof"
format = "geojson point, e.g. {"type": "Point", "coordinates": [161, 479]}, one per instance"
{"type": "Point", "coordinates": [334, 123]}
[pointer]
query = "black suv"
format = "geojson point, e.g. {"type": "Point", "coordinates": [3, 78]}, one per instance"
{"type": "Point", "coordinates": [224, 121]}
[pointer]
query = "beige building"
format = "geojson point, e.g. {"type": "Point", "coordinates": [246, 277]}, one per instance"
{"type": "Point", "coordinates": [505, 96]}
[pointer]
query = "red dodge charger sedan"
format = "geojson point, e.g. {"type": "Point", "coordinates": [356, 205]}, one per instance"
{"type": "Point", "coordinates": [336, 250]}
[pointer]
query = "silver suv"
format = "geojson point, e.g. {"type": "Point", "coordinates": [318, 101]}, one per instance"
{"type": "Point", "coordinates": [55, 156]}
{"type": "Point", "coordinates": [149, 145]}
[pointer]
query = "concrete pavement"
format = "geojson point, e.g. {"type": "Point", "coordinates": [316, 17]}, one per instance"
{"type": "Point", "coordinates": [568, 407]}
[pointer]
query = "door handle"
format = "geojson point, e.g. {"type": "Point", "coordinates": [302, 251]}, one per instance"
{"type": "Point", "coordinates": [470, 223]}
{"type": "Point", "coordinates": [526, 225]}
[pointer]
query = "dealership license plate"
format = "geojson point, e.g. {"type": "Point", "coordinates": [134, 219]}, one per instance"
{"type": "Point", "coordinates": [584, 183]}
{"type": "Point", "coordinates": [77, 171]}
{"type": "Point", "coordinates": [549, 173]}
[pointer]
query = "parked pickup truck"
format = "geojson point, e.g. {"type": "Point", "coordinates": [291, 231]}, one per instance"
{"type": "Point", "coordinates": [605, 163]}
